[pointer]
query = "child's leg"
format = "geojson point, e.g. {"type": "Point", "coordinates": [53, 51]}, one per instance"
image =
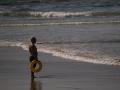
{"type": "Point", "coordinates": [32, 75]}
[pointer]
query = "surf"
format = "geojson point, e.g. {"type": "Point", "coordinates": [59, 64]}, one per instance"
{"type": "Point", "coordinates": [62, 52]}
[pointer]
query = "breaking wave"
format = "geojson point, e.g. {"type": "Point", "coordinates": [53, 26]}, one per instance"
{"type": "Point", "coordinates": [59, 14]}
{"type": "Point", "coordinates": [64, 53]}
{"type": "Point", "coordinates": [73, 14]}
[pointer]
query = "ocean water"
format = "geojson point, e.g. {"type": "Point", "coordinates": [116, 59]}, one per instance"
{"type": "Point", "coordinates": [81, 30]}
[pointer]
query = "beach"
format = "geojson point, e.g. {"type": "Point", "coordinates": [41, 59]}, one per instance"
{"type": "Point", "coordinates": [78, 42]}
{"type": "Point", "coordinates": [57, 73]}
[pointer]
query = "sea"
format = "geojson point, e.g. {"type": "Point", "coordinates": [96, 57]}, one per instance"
{"type": "Point", "coordinates": [79, 30]}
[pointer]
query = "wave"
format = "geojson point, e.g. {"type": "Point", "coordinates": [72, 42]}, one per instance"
{"type": "Point", "coordinates": [20, 44]}
{"type": "Point", "coordinates": [81, 42]}
{"type": "Point", "coordinates": [59, 14]}
{"type": "Point", "coordinates": [73, 14]}
{"type": "Point", "coordinates": [12, 44]}
{"type": "Point", "coordinates": [59, 23]}
{"type": "Point", "coordinates": [62, 53]}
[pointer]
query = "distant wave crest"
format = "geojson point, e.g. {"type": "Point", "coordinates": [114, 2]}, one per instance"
{"type": "Point", "coordinates": [74, 14]}
{"type": "Point", "coordinates": [59, 14]}
{"type": "Point", "coordinates": [56, 14]}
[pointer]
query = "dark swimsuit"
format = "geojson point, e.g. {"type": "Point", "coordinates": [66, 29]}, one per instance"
{"type": "Point", "coordinates": [33, 52]}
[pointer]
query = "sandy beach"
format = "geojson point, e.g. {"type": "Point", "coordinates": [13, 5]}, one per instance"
{"type": "Point", "coordinates": [78, 43]}
{"type": "Point", "coordinates": [57, 73]}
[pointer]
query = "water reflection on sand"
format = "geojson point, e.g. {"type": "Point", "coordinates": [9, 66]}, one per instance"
{"type": "Point", "coordinates": [36, 85]}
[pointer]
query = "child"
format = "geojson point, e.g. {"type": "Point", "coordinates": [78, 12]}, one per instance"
{"type": "Point", "coordinates": [33, 53]}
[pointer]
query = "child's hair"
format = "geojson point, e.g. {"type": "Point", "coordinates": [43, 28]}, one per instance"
{"type": "Point", "coordinates": [33, 40]}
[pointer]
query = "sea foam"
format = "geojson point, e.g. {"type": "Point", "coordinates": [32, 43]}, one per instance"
{"type": "Point", "coordinates": [67, 54]}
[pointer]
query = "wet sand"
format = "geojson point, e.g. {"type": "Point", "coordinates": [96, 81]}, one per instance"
{"type": "Point", "coordinates": [57, 73]}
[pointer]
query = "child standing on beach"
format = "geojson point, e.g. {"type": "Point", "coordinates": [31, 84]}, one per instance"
{"type": "Point", "coordinates": [33, 52]}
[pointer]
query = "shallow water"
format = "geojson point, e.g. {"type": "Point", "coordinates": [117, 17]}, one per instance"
{"type": "Point", "coordinates": [95, 43]}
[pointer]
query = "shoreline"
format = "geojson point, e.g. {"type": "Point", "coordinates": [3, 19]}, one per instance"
{"type": "Point", "coordinates": [57, 74]}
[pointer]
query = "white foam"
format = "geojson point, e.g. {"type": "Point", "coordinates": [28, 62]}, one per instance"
{"type": "Point", "coordinates": [71, 56]}
{"type": "Point", "coordinates": [59, 14]}
{"type": "Point", "coordinates": [7, 43]}
{"type": "Point", "coordinates": [12, 44]}
{"type": "Point", "coordinates": [63, 53]}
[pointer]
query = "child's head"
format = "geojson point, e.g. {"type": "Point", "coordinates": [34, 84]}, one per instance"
{"type": "Point", "coordinates": [33, 40]}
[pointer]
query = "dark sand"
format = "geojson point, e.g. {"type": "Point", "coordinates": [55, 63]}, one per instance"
{"type": "Point", "coordinates": [57, 73]}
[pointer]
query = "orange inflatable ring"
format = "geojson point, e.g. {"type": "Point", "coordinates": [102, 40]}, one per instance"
{"type": "Point", "coordinates": [35, 66]}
